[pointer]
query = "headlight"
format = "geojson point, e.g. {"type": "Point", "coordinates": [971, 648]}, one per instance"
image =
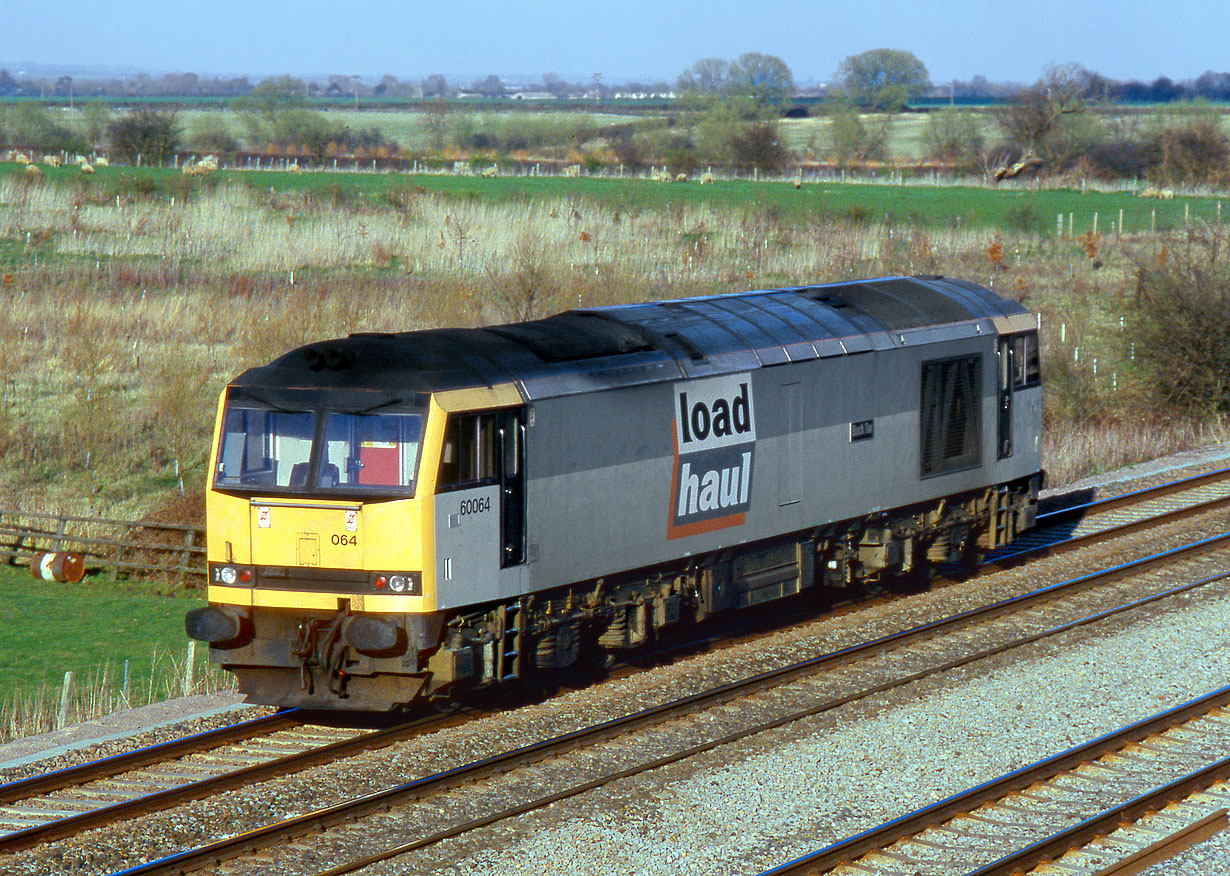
{"type": "Point", "coordinates": [242, 576]}
{"type": "Point", "coordinates": [401, 583]}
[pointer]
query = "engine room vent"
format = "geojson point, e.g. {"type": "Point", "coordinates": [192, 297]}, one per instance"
{"type": "Point", "coordinates": [950, 425]}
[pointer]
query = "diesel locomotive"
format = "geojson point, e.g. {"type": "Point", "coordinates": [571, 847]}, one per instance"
{"type": "Point", "coordinates": [395, 517]}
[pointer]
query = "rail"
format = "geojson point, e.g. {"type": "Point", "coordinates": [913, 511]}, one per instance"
{"type": "Point", "coordinates": [176, 550]}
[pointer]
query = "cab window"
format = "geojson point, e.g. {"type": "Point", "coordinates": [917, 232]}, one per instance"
{"type": "Point", "coordinates": [264, 448]}
{"type": "Point", "coordinates": [1025, 365]}
{"type": "Point", "coordinates": [469, 454]}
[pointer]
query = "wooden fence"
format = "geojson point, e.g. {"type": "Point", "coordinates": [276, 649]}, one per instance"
{"type": "Point", "coordinates": [174, 551]}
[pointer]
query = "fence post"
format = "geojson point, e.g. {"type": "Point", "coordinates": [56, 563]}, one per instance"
{"type": "Point", "coordinates": [65, 694]}
{"type": "Point", "coordinates": [184, 557]}
{"type": "Point", "coordinates": [189, 665]}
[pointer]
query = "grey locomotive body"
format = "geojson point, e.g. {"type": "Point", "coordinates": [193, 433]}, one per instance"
{"type": "Point", "coordinates": [587, 480]}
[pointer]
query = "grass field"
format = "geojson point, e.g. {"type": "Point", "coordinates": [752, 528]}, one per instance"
{"type": "Point", "coordinates": [92, 629]}
{"type": "Point", "coordinates": [57, 627]}
{"type": "Point", "coordinates": [917, 203]}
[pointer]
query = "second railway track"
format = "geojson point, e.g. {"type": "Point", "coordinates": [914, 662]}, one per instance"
{"type": "Point", "coordinates": [1038, 813]}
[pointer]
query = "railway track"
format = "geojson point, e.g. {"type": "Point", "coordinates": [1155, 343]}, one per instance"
{"type": "Point", "coordinates": [1079, 526]}
{"type": "Point", "coordinates": [417, 815]}
{"type": "Point", "coordinates": [1078, 800]}
{"type": "Point", "coordinates": [47, 808]}
{"type": "Point", "coordinates": [64, 803]}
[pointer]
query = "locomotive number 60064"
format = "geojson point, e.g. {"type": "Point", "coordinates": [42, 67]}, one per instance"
{"type": "Point", "coordinates": [475, 506]}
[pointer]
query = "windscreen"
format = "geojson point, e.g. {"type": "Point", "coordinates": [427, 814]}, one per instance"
{"type": "Point", "coordinates": [317, 451]}
{"type": "Point", "coordinates": [371, 450]}
{"type": "Point", "coordinates": [264, 448]}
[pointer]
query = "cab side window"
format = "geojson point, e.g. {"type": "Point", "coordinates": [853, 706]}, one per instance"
{"type": "Point", "coordinates": [1025, 365]}
{"type": "Point", "coordinates": [469, 454]}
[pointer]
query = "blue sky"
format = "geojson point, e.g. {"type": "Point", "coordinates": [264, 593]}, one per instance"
{"type": "Point", "coordinates": [463, 39]}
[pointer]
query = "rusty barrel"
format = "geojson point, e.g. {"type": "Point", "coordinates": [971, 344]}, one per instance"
{"type": "Point", "coordinates": [61, 566]}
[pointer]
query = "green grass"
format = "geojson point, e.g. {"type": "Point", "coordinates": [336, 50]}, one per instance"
{"type": "Point", "coordinates": [928, 206]}
{"type": "Point", "coordinates": [52, 628]}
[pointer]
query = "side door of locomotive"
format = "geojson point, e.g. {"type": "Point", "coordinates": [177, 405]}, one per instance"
{"type": "Point", "coordinates": [480, 508]}
{"type": "Point", "coordinates": [1006, 371]}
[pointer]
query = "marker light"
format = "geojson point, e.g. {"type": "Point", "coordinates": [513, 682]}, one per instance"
{"type": "Point", "coordinates": [227, 574]}
{"type": "Point", "coordinates": [398, 583]}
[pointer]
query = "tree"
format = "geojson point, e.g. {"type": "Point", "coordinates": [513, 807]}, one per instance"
{"type": "Point", "coordinates": [298, 128]}
{"type": "Point", "coordinates": [850, 140]}
{"type": "Point", "coordinates": [491, 86]}
{"type": "Point", "coordinates": [712, 133]}
{"type": "Point", "coordinates": [211, 134]}
{"type": "Point", "coordinates": [1186, 144]}
{"type": "Point", "coordinates": [884, 79]}
{"type": "Point", "coordinates": [552, 83]}
{"type": "Point", "coordinates": [435, 114]}
{"type": "Point", "coordinates": [148, 135]}
{"type": "Point", "coordinates": [706, 76]}
{"type": "Point", "coordinates": [1035, 119]}
{"type": "Point", "coordinates": [436, 85]}
{"type": "Point", "coordinates": [764, 78]}
{"type": "Point", "coordinates": [1180, 325]}
{"type": "Point", "coordinates": [30, 126]}
{"type": "Point", "coordinates": [269, 96]}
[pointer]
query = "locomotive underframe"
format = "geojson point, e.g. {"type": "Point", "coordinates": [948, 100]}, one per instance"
{"type": "Point", "coordinates": [380, 661]}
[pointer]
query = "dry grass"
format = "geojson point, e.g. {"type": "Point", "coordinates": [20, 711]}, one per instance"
{"type": "Point", "coordinates": [122, 319]}
{"type": "Point", "coordinates": [1105, 446]}
{"type": "Point", "coordinates": [103, 692]}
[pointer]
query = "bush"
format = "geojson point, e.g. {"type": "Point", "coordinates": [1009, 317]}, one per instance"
{"type": "Point", "coordinates": [851, 141]}
{"type": "Point", "coordinates": [145, 134]}
{"type": "Point", "coordinates": [1180, 328]}
{"type": "Point", "coordinates": [953, 137]}
{"type": "Point", "coordinates": [1027, 218]}
{"type": "Point", "coordinates": [1190, 153]}
{"type": "Point", "coordinates": [1118, 159]}
{"type": "Point", "coordinates": [756, 145]}
{"type": "Point", "coordinates": [212, 135]}
{"type": "Point", "coordinates": [29, 126]}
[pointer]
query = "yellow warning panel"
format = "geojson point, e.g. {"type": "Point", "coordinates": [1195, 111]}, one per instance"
{"type": "Point", "coordinates": [287, 534]}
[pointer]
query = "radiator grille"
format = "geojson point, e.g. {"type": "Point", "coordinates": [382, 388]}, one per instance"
{"type": "Point", "coordinates": [949, 422]}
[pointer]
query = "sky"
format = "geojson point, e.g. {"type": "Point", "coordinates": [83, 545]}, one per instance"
{"type": "Point", "coordinates": [623, 40]}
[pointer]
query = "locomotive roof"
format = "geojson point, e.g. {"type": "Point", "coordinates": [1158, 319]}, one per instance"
{"type": "Point", "coordinates": [606, 347]}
